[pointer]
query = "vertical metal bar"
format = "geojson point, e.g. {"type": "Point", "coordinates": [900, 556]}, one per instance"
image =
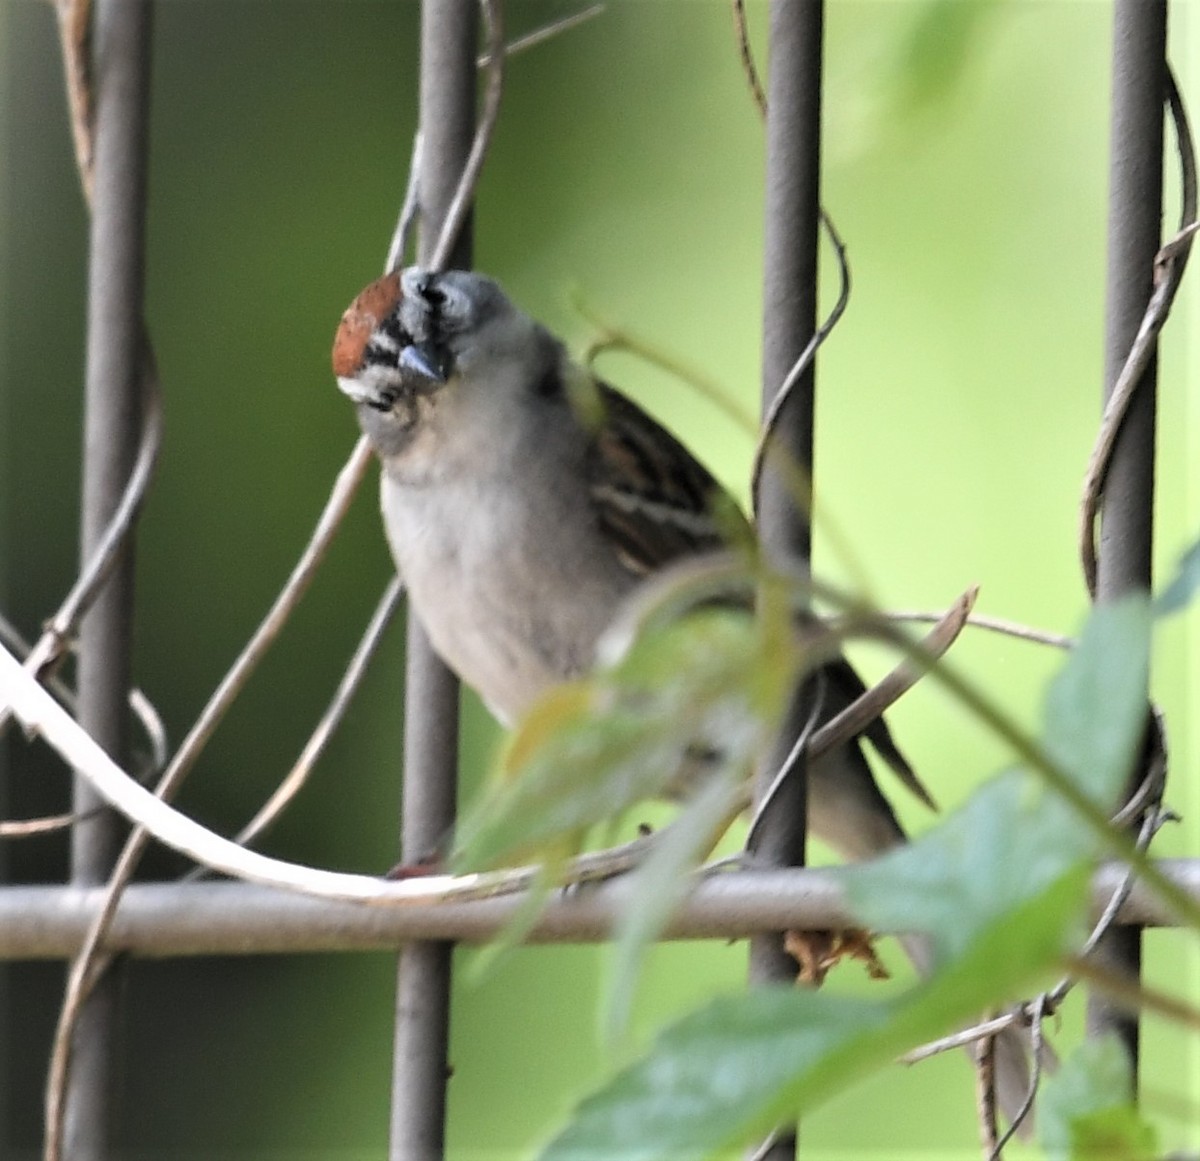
{"type": "Point", "coordinates": [121, 70]}
{"type": "Point", "coordinates": [1134, 231]}
{"type": "Point", "coordinates": [789, 322]}
{"type": "Point", "coordinates": [9, 32]}
{"type": "Point", "coordinates": [449, 42]}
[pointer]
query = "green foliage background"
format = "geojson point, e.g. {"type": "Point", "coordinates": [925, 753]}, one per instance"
{"type": "Point", "coordinates": [966, 154]}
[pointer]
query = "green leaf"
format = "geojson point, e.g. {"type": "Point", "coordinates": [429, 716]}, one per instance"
{"type": "Point", "coordinates": [1086, 1111]}
{"type": "Point", "coordinates": [1014, 837]}
{"type": "Point", "coordinates": [713, 1074]}
{"type": "Point", "coordinates": [489, 957]}
{"type": "Point", "coordinates": [1179, 593]}
{"type": "Point", "coordinates": [730, 1071]}
{"type": "Point", "coordinates": [1003, 897]}
{"type": "Point", "coordinates": [661, 883]}
{"type": "Point", "coordinates": [998, 891]}
{"type": "Point", "coordinates": [1096, 707]}
{"type": "Point", "coordinates": [1009, 843]}
{"type": "Point", "coordinates": [711, 680]}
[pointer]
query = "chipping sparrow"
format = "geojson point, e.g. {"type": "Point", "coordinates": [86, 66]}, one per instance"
{"type": "Point", "coordinates": [524, 501]}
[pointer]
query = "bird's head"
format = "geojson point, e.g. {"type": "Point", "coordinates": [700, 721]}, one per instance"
{"type": "Point", "coordinates": [410, 332]}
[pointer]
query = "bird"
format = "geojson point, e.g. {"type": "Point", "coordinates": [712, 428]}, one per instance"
{"type": "Point", "coordinates": [524, 501]}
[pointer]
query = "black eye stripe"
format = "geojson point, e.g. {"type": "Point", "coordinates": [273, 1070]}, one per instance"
{"type": "Point", "coordinates": [376, 356]}
{"type": "Point", "coordinates": [392, 328]}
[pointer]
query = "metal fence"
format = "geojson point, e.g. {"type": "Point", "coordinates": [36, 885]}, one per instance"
{"type": "Point", "coordinates": [107, 53]}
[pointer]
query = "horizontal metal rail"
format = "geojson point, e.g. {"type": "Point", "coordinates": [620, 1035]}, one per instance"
{"type": "Point", "coordinates": [227, 918]}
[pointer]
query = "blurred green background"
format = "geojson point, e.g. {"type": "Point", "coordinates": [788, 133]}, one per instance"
{"type": "Point", "coordinates": [966, 169]}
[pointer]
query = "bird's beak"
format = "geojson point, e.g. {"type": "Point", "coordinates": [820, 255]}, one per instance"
{"type": "Point", "coordinates": [425, 360]}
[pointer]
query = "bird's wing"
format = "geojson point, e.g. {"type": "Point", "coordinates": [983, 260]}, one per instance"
{"type": "Point", "coordinates": [654, 500]}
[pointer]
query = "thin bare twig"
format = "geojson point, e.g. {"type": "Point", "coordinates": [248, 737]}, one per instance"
{"type": "Point", "coordinates": [1151, 824]}
{"type": "Point", "coordinates": [82, 975]}
{"type": "Point", "coordinates": [800, 747]}
{"type": "Point", "coordinates": [614, 338]}
{"type": "Point", "coordinates": [1150, 791]}
{"type": "Point", "coordinates": [880, 697]}
{"type": "Point", "coordinates": [409, 211]}
{"type": "Point", "coordinates": [872, 704]}
{"type": "Point", "coordinates": [332, 717]}
{"type": "Point", "coordinates": [63, 624]}
{"type": "Point", "coordinates": [59, 631]}
{"type": "Point", "coordinates": [48, 824]}
{"type": "Point", "coordinates": [993, 625]}
{"type": "Point", "coordinates": [153, 729]}
{"type": "Point", "coordinates": [1048, 1003]}
{"type": "Point", "coordinates": [142, 707]}
{"type": "Point", "coordinates": [74, 28]}
{"type": "Point", "coordinates": [766, 441]}
{"type": "Point", "coordinates": [543, 34]}
{"type": "Point", "coordinates": [961, 1039]}
{"type": "Point", "coordinates": [1037, 1050]}
{"type": "Point", "coordinates": [1169, 266]}
{"type": "Point", "coordinates": [742, 32]}
{"type": "Point", "coordinates": [459, 207]}
{"type": "Point", "coordinates": [19, 828]}
{"type": "Point", "coordinates": [88, 965]}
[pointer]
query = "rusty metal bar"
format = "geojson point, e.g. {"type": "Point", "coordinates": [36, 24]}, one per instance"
{"type": "Point", "coordinates": [1134, 232]}
{"type": "Point", "coordinates": [789, 322]}
{"type": "Point", "coordinates": [121, 66]}
{"type": "Point", "coordinates": [449, 35]}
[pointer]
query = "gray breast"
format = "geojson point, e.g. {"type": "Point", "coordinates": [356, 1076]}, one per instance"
{"type": "Point", "coordinates": [511, 589]}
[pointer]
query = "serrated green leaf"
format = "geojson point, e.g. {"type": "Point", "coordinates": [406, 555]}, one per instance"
{"type": "Point", "coordinates": [1182, 588]}
{"type": "Point", "coordinates": [1086, 1111]}
{"type": "Point", "coordinates": [1096, 707]}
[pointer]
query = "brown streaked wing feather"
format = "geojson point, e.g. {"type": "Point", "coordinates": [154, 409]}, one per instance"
{"type": "Point", "coordinates": [655, 507]}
